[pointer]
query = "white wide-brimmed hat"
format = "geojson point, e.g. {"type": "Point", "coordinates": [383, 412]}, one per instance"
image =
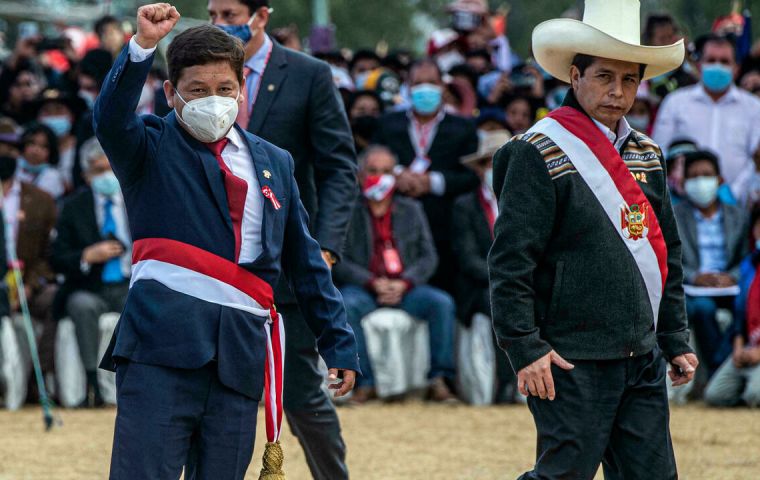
{"type": "Point", "coordinates": [610, 29]}
{"type": "Point", "coordinates": [489, 143]}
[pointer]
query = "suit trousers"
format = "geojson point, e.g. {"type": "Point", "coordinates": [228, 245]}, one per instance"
{"type": "Point", "coordinates": [167, 418]}
{"type": "Point", "coordinates": [613, 412]}
{"type": "Point", "coordinates": [309, 411]}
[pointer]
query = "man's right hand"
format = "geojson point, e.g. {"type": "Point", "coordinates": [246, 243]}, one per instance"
{"type": "Point", "coordinates": [102, 252]}
{"type": "Point", "coordinates": [536, 379]}
{"type": "Point", "coordinates": [154, 22]}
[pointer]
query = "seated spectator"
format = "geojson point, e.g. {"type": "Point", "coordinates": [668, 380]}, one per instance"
{"type": "Point", "coordinates": [389, 257]}
{"type": "Point", "coordinates": [93, 251]}
{"type": "Point", "coordinates": [29, 216]}
{"type": "Point", "coordinates": [364, 109]}
{"type": "Point", "coordinates": [738, 379]}
{"type": "Point", "coordinates": [674, 157]}
{"type": "Point", "coordinates": [60, 111]}
{"type": "Point", "coordinates": [714, 242]}
{"type": "Point", "coordinates": [472, 236]}
{"type": "Point", "coordinates": [39, 158]}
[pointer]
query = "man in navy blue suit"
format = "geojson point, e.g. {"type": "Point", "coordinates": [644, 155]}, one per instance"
{"type": "Point", "coordinates": [216, 219]}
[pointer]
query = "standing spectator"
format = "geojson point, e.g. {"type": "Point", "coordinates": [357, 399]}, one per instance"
{"type": "Point", "coordinates": [714, 243]}
{"type": "Point", "coordinates": [18, 87]}
{"type": "Point", "coordinates": [716, 114]}
{"type": "Point", "coordinates": [111, 34]}
{"type": "Point", "coordinates": [662, 30]}
{"type": "Point", "coordinates": [389, 258]}
{"type": "Point", "coordinates": [472, 235]}
{"type": "Point", "coordinates": [292, 102]}
{"type": "Point", "coordinates": [428, 143]}
{"type": "Point", "coordinates": [60, 111]}
{"type": "Point", "coordinates": [520, 114]}
{"type": "Point", "coordinates": [738, 379]}
{"type": "Point", "coordinates": [93, 251]}
{"type": "Point", "coordinates": [363, 62]}
{"type": "Point", "coordinates": [364, 109]}
{"type": "Point", "coordinates": [39, 158]}
{"type": "Point", "coordinates": [29, 216]}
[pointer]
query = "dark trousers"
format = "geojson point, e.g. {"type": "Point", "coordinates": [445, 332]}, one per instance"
{"type": "Point", "coordinates": [715, 346]}
{"type": "Point", "coordinates": [310, 413]}
{"type": "Point", "coordinates": [614, 412]}
{"type": "Point", "coordinates": [168, 418]}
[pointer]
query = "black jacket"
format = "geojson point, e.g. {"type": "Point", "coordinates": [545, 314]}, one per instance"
{"type": "Point", "coordinates": [455, 138]}
{"type": "Point", "coordinates": [560, 276]}
{"type": "Point", "coordinates": [299, 109]}
{"type": "Point", "coordinates": [410, 234]}
{"type": "Point", "coordinates": [470, 242]}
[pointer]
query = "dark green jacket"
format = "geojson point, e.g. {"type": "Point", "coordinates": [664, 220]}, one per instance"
{"type": "Point", "coordinates": [561, 278]}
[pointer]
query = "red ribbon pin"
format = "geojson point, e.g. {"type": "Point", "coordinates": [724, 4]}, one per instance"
{"type": "Point", "coordinates": [268, 193]}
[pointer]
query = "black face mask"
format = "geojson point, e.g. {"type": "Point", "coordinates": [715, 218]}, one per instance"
{"type": "Point", "coordinates": [7, 168]}
{"type": "Point", "coordinates": [364, 126]}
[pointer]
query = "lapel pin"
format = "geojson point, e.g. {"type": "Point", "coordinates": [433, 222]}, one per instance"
{"type": "Point", "coordinates": [269, 194]}
{"type": "Point", "coordinates": [267, 174]}
{"type": "Point", "coordinates": [271, 87]}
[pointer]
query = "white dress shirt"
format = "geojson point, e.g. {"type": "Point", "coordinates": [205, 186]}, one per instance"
{"type": "Point", "coordinates": [617, 139]}
{"type": "Point", "coordinates": [119, 213]}
{"type": "Point", "coordinates": [728, 128]}
{"type": "Point", "coordinates": [50, 180]}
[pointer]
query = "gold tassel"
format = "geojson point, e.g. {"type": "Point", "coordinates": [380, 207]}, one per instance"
{"type": "Point", "coordinates": [273, 458]}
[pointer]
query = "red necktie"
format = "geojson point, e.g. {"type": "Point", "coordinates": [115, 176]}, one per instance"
{"type": "Point", "coordinates": [236, 189]}
{"type": "Point", "coordinates": [244, 114]}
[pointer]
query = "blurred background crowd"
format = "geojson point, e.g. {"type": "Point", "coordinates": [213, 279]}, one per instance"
{"type": "Point", "coordinates": [428, 103]}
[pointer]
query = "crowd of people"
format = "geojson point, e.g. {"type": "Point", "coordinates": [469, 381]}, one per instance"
{"type": "Point", "coordinates": [425, 130]}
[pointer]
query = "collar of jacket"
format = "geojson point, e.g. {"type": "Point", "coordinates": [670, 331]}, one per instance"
{"type": "Point", "coordinates": [572, 102]}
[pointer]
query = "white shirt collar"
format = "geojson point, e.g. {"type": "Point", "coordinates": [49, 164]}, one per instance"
{"type": "Point", "coordinates": [623, 131]}
{"type": "Point", "coordinates": [730, 96]}
{"type": "Point", "coordinates": [236, 140]}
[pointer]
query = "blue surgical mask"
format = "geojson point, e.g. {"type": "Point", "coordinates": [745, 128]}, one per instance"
{"type": "Point", "coordinates": [757, 244]}
{"type": "Point", "coordinates": [243, 32]}
{"type": "Point", "coordinates": [105, 184]}
{"type": "Point", "coordinates": [59, 124]}
{"type": "Point", "coordinates": [426, 98]}
{"type": "Point", "coordinates": [27, 167]}
{"type": "Point", "coordinates": [717, 77]}
{"type": "Point", "coordinates": [702, 191]}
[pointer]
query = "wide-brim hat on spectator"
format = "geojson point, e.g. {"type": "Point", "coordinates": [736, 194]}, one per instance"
{"type": "Point", "coordinates": [489, 143]}
{"type": "Point", "coordinates": [53, 95]}
{"type": "Point", "coordinates": [610, 29]}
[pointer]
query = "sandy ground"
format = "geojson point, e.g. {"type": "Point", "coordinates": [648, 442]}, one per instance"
{"type": "Point", "coordinates": [400, 441]}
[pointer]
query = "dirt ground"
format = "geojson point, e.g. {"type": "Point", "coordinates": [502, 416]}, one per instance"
{"type": "Point", "coordinates": [399, 441]}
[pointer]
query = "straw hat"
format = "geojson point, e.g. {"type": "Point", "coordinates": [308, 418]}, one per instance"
{"type": "Point", "coordinates": [610, 29]}
{"type": "Point", "coordinates": [489, 143]}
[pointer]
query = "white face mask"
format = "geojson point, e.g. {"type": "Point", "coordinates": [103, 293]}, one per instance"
{"type": "Point", "coordinates": [702, 191]}
{"type": "Point", "coordinates": [209, 118]}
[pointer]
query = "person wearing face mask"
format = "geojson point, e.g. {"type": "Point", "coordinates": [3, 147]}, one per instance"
{"type": "Point", "coordinates": [216, 219]}
{"type": "Point", "coordinates": [714, 243]}
{"type": "Point", "coordinates": [389, 259]}
{"type": "Point", "coordinates": [39, 157]}
{"type": "Point", "coordinates": [92, 250]}
{"type": "Point", "coordinates": [429, 143]}
{"type": "Point", "coordinates": [291, 101]}
{"type": "Point", "coordinates": [717, 114]}
{"type": "Point", "coordinates": [472, 235]}
{"type": "Point", "coordinates": [364, 110]}
{"type": "Point", "coordinates": [60, 112]}
{"type": "Point", "coordinates": [29, 215]}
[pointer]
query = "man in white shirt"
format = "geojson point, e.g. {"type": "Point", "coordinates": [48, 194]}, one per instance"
{"type": "Point", "coordinates": [716, 114]}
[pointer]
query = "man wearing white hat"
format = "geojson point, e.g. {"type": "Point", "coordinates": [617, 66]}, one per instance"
{"type": "Point", "coordinates": [585, 270]}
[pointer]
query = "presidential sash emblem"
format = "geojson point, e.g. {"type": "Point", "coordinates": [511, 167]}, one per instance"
{"type": "Point", "coordinates": [634, 221]}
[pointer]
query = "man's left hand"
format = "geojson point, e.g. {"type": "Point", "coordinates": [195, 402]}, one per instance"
{"type": "Point", "coordinates": [687, 363]}
{"type": "Point", "coordinates": [347, 383]}
{"type": "Point", "coordinates": [329, 258]}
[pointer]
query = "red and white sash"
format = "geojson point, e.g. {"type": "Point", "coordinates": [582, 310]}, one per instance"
{"type": "Point", "coordinates": [604, 171]}
{"type": "Point", "coordinates": [200, 274]}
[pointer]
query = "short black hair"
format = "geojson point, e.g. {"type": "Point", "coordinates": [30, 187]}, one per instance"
{"type": "Point", "coordinates": [466, 71]}
{"type": "Point", "coordinates": [363, 54]}
{"type": "Point", "coordinates": [352, 99]}
{"type": "Point", "coordinates": [699, 156]}
{"type": "Point", "coordinates": [582, 61]}
{"type": "Point", "coordinates": [103, 22]}
{"type": "Point", "coordinates": [425, 62]}
{"type": "Point", "coordinates": [254, 5]}
{"type": "Point", "coordinates": [96, 64]}
{"type": "Point", "coordinates": [657, 20]}
{"type": "Point", "coordinates": [33, 129]}
{"type": "Point", "coordinates": [202, 45]}
{"type": "Point", "coordinates": [703, 40]}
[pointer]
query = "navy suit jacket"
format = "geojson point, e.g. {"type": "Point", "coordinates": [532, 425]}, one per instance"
{"type": "Point", "coordinates": [173, 189]}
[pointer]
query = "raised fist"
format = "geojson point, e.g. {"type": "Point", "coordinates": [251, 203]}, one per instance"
{"type": "Point", "coordinates": [154, 22]}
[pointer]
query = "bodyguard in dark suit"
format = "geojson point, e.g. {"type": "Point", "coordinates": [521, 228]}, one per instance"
{"type": "Point", "coordinates": [216, 218]}
{"type": "Point", "coordinates": [714, 236]}
{"type": "Point", "coordinates": [429, 144]}
{"type": "Point", "coordinates": [388, 260]}
{"type": "Point", "coordinates": [291, 102]}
